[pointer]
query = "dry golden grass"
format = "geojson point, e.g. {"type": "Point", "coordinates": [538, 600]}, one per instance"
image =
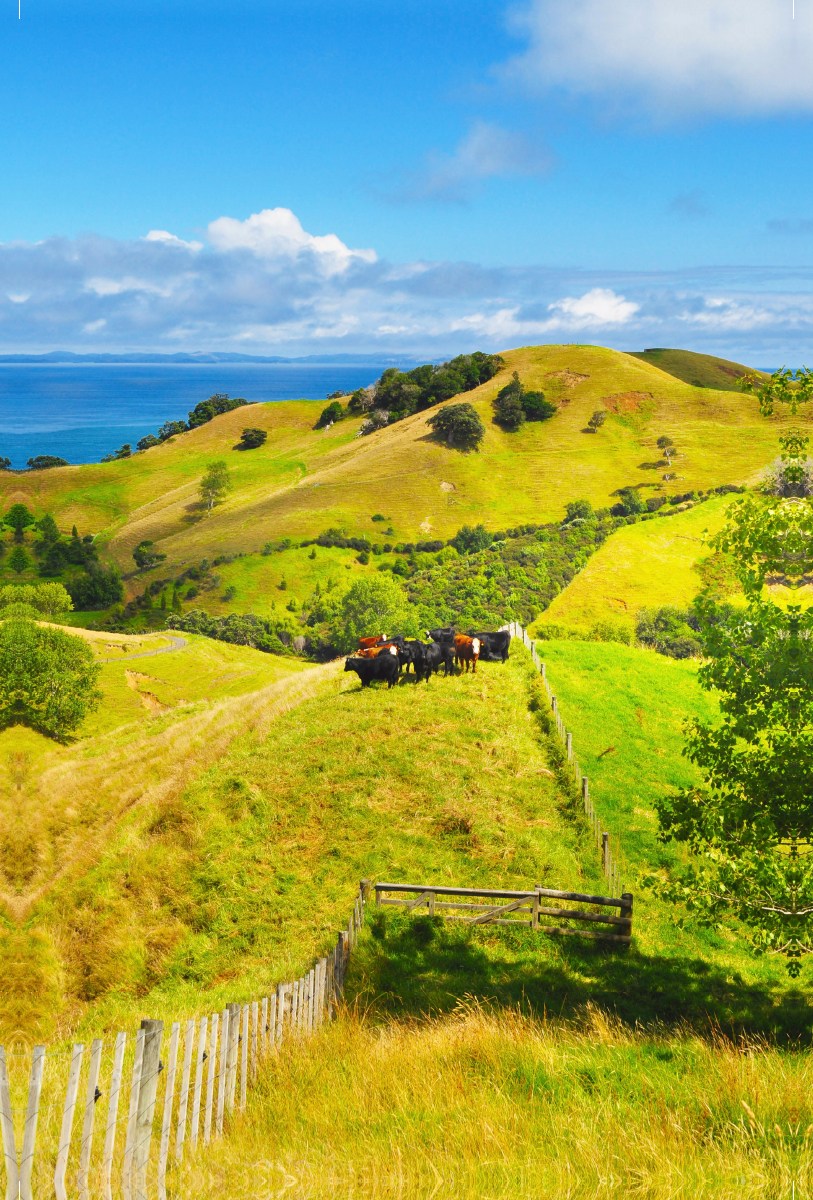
{"type": "Point", "coordinates": [498, 1104]}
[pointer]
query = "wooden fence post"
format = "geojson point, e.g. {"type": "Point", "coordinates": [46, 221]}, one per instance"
{"type": "Point", "coordinates": [166, 1119]}
{"type": "Point", "coordinates": [234, 1053]}
{"type": "Point", "coordinates": [280, 1012]}
{"type": "Point", "coordinates": [221, 1081]}
{"type": "Point", "coordinates": [30, 1129]}
{"type": "Point", "coordinates": [244, 1060]}
{"type": "Point", "coordinates": [150, 1066]}
{"type": "Point", "coordinates": [183, 1097]}
{"type": "Point", "coordinates": [112, 1114]}
{"type": "Point", "coordinates": [605, 852]}
{"type": "Point", "coordinates": [129, 1142]}
{"type": "Point", "coordinates": [626, 909]}
{"type": "Point", "coordinates": [210, 1080]}
{"type": "Point", "coordinates": [270, 1024]}
{"type": "Point", "coordinates": [266, 1025]}
{"type": "Point", "coordinates": [67, 1121]}
{"type": "Point", "coordinates": [91, 1097]}
{"type": "Point", "coordinates": [585, 792]}
{"type": "Point", "coordinates": [255, 1015]}
{"type": "Point", "coordinates": [569, 745]}
{"type": "Point", "coordinates": [7, 1128]}
{"type": "Point", "coordinates": [202, 1056]}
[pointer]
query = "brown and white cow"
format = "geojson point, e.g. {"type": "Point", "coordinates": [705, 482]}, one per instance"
{"type": "Point", "coordinates": [374, 651]}
{"type": "Point", "coordinates": [466, 650]}
{"type": "Point", "coordinates": [366, 643]}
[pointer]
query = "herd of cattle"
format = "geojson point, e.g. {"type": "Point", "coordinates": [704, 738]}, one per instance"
{"type": "Point", "coordinates": [384, 658]}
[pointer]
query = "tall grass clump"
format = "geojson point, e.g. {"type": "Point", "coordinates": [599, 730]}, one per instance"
{"type": "Point", "coordinates": [492, 1103]}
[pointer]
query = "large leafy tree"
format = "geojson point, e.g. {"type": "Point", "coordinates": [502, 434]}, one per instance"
{"type": "Point", "coordinates": [374, 604]}
{"type": "Point", "coordinates": [47, 678]}
{"type": "Point", "coordinates": [749, 826]}
{"type": "Point", "coordinates": [459, 424]}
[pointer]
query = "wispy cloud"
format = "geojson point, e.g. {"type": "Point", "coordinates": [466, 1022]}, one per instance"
{"type": "Point", "coordinates": [692, 57]}
{"type": "Point", "coordinates": [265, 285]}
{"type": "Point", "coordinates": [486, 152]}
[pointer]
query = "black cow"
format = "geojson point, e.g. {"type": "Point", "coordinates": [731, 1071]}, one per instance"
{"type": "Point", "coordinates": [442, 635]}
{"type": "Point", "coordinates": [385, 667]}
{"type": "Point", "coordinates": [439, 654]}
{"type": "Point", "coordinates": [493, 646]}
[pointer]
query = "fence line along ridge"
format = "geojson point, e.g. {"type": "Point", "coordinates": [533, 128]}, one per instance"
{"type": "Point", "coordinates": [608, 846]}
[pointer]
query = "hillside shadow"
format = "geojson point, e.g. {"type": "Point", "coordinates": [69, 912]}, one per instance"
{"type": "Point", "coordinates": [423, 965]}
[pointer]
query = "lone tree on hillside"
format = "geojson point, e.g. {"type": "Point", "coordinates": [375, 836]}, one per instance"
{"type": "Point", "coordinates": [215, 483]}
{"type": "Point", "coordinates": [459, 424]}
{"type": "Point", "coordinates": [749, 826]}
{"type": "Point", "coordinates": [145, 556]}
{"type": "Point", "coordinates": [596, 421]}
{"type": "Point", "coordinates": [18, 518]}
{"type": "Point", "coordinates": [513, 405]}
{"type": "Point", "coordinates": [667, 447]}
{"type": "Point", "coordinates": [252, 439]}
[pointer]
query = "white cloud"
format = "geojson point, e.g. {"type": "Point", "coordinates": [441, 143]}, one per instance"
{"type": "Point", "coordinates": [486, 152]}
{"type": "Point", "coordinates": [677, 56]}
{"type": "Point", "coordinates": [277, 233]}
{"type": "Point", "coordinates": [114, 287]}
{"type": "Point", "coordinates": [169, 239]}
{"type": "Point", "coordinates": [599, 306]}
{"type": "Point", "coordinates": [244, 292]}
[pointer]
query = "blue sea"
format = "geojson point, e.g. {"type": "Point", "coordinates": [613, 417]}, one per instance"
{"type": "Point", "coordinates": [81, 412]}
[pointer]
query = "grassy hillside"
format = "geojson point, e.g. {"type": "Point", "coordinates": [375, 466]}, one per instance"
{"type": "Point", "coordinates": [303, 480]}
{"type": "Point", "coordinates": [640, 566]}
{"type": "Point", "coordinates": [171, 864]}
{"type": "Point", "coordinates": [700, 370]}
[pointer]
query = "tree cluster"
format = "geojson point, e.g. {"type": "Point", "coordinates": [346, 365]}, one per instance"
{"type": "Point", "coordinates": [401, 393]}
{"type": "Point", "coordinates": [513, 405]}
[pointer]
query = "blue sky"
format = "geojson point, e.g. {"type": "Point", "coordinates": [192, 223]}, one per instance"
{"type": "Point", "coordinates": [413, 176]}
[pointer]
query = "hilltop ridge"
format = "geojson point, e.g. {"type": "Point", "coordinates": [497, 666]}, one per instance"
{"type": "Point", "coordinates": [305, 480]}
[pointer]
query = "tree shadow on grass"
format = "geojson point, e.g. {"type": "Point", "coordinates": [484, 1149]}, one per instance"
{"type": "Point", "coordinates": [420, 965]}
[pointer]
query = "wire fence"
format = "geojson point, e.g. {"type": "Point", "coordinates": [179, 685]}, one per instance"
{"type": "Point", "coordinates": [607, 842]}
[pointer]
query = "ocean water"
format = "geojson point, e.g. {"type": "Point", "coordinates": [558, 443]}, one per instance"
{"type": "Point", "coordinates": [81, 412]}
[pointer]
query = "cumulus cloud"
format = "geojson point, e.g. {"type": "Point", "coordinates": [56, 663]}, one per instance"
{"type": "Point", "coordinates": [266, 286]}
{"type": "Point", "coordinates": [695, 56]}
{"type": "Point", "coordinates": [486, 152]}
{"type": "Point", "coordinates": [277, 233]}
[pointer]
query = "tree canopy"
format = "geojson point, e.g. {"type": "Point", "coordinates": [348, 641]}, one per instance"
{"type": "Point", "coordinates": [215, 483]}
{"type": "Point", "coordinates": [749, 825]}
{"type": "Point", "coordinates": [459, 424]}
{"type": "Point", "coordinates": [374, 604]}
{"type": "Point", "coordinates": [47, 678]}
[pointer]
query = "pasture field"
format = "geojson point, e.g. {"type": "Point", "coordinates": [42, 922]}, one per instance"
{"type": "Point", "coordinates": [640, 566]}
{"type": "Point", "coordinates": [303, 480]}
{"type": "Point", "coordinates": [177, 861]}
{"type": "Point", "coordinates": [497, 1103]}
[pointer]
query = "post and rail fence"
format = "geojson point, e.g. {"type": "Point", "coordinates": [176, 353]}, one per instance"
{"type": "Point", "coordinates": [472, 910]}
